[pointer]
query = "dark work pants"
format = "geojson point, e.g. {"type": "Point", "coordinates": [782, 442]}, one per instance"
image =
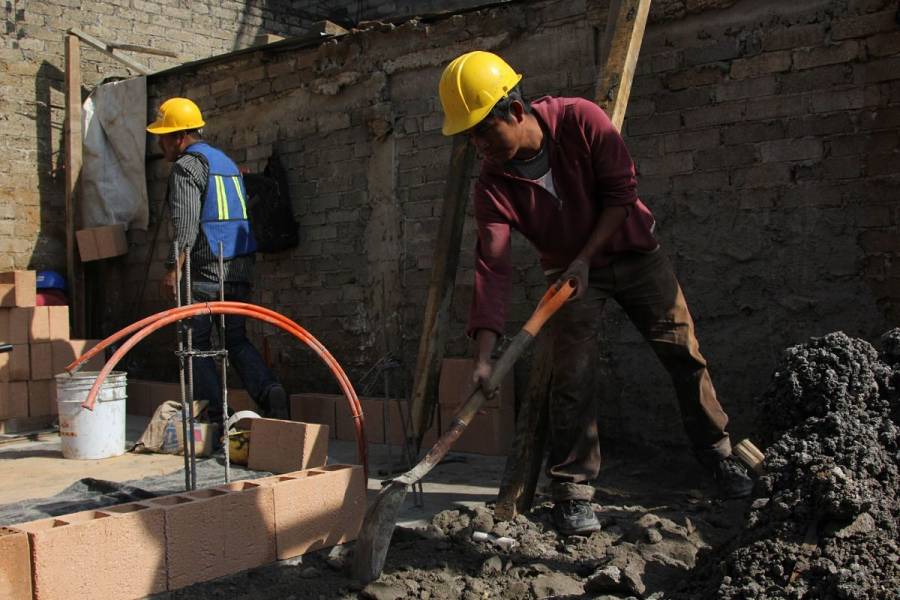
{"type": "Point", "coordinates": [645, 286]}
{"type": "Point", "coordinates": [242, 354]}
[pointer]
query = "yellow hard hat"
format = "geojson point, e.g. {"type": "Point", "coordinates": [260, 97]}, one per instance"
{"type": "Point", "coordinates": [176, 114]}
{"type": "Point", "coordinates": [470, 87]}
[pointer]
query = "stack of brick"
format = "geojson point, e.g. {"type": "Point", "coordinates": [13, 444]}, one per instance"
{"type": "Point", "coordinates": [41, 348]}
{"type": "Point", "coordinates": [170, 542]}
{"type": "Point", "coordinates": [490, 433]}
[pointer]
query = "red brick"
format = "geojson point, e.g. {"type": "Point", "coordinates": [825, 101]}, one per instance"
{"type": "Point", "coordinates": [39, 329]}
{"type": "Point", "coordinates": [885, 44]}
{"type": "Point", "coordinates": [15, 365]}
{"type": "Point", "coordinates": [863, 26]}
{"type": "Point", "coordinates": [13, 399]}
{"type": "Point", "coordinates": [7, 294]}
{"type": "Point", "coordinates": [456, 380]}
{"type": "Point", "coordinates": [284, 446]}
{"type": "Point", "coordinates": [66, 351]}
{"type": "Point", "coordinates": [343, 421]}
{"type": "Point", "coordinates": [768, 62]}
{"type": "Point", "coordinates": [19, 325]}
{"type": "Point", "coordinates": [68, 550]}
{"type": "Point", "coordinates": [788, 38]}
{"type": "Point", "coordinates": [25, 292]}
{"type": "Point", "coordinates": [241, 400]}
{"type": "Point", "coordinates": [41, 360]}
{"type": "Point", "coordinates": [218, 531]}
{"type": "Point", "coordinates": [15, 565]}
{"type": "Point", "coordinates": [826, 55]}
{"type": "Point", "coordinates": [318, 508]}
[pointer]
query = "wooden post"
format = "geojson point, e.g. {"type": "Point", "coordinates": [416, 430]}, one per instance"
{"type": "Point", "coordinates": [440, 289]}
{"type": "Point", "coordinates": [73, 159]}
{"type": "Point", "coordinates": [625, 26]}
{"type": "Point", "coordinates": [614, 86]}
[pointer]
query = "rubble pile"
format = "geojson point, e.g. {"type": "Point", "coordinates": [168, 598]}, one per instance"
{"type": "Point", "coordinates": [824, 523]}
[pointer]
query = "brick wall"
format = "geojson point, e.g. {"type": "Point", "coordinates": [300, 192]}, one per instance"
{"type": "Point", "coordinates": [765, 137]}
{"type": "Point", "coordinates": [32, 100]}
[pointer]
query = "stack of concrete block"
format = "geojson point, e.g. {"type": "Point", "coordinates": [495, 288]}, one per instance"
{"type": "Point", "coordinates": [383, 419]}
{"type": "Point", "coordinates": [167, 543]}
{"type": "Point", "coordinates": [41, 349]}
{"type": "Point", "coordinates": [491, 431]}
{"type": "Point", "coordinates": [145, 396]}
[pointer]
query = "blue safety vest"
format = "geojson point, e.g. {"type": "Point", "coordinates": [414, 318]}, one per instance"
{"type": "Point", "coordinates": [223, 213]}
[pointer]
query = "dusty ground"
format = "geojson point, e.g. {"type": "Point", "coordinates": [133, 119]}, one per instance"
{"type": "Point", "coordinates": [822, 523]}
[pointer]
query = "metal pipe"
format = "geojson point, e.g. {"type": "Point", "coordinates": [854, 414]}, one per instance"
{"type": "Point", "coordinates": [190, 357]}
{"type": "Point", "coordinates": [180, 346]}
{"type": "Point", "coordinates": [224, 359]}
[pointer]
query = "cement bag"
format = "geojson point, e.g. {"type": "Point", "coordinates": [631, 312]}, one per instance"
{"type": "Point", "coordinates": [163, 433]}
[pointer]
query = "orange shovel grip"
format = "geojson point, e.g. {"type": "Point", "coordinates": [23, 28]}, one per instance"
{"type": "Point", "coordinates": [552, 301]}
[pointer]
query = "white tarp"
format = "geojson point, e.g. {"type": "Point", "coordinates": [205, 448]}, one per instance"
{"type": "Point", "coordinates": [113, 181]}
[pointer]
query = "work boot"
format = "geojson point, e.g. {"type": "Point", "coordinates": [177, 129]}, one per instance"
{"type": "Point", "coordinates": [276, 402]}
{"type": "Point", "coordinates": [574, 517]}
{"type": "Point", "coordinates": [732, 478]}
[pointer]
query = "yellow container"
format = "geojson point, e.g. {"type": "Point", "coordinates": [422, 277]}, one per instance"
{"type": "Point", "coordinates": [239, 446]}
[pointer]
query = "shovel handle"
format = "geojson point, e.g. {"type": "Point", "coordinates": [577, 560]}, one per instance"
{"type": "Point", "coordinates": [552, 301]}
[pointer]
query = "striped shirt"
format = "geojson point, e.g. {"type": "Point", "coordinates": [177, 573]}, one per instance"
{"type": "Point", "coordinates": [187, 185]}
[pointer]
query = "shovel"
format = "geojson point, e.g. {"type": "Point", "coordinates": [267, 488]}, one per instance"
{"type": "Point", "coordinates": [378, 525]}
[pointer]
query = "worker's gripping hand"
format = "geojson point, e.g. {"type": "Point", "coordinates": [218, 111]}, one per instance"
{"type": "Point", "coordinates": [168, 283]}
{"type": "Point", "coordinates": [579, 270]}
{"type": "Point", "coordinates": [481, 378]}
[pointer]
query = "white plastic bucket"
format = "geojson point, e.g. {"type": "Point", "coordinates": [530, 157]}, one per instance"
{"type": "Point", "coordinates": [93, 434]}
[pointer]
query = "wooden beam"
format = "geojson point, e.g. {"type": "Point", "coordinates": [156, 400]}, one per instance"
{"type": "Point", "coordinates": [523, 465]}
{"type": "Point", "coordinates": [109, 51]}
{"type": "Point", "coordinates": [440, 289]}
{"type": "Point", "coordinates": [73, 160]}
{"type": "Point", "coordinates": [614, 86]}
{"type": "Point", "coordinates": [625, 28]}
{"type": "Point", "coordinates": [143, 49]}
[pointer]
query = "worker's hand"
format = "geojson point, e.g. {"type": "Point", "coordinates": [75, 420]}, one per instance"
{"type": "Point", "coordinates": [579, 270]}
{"type": "Point", "coordinates": [168, 283]}
{"type": "Point", "coordinates": [481, 378]}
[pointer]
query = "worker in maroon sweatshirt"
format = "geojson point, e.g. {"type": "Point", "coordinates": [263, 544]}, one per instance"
{"type": "Point", "coordinates": [557, 171]}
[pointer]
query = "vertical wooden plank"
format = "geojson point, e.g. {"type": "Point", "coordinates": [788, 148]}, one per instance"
{"type": "Point", "coordinates": [73, 159]}
{"type": "Point", "coordinates": [614, 86]}
{"type": "Point", "coordinates": [625, 26]}
{"type": "Point", "coordinates": [440, 289]}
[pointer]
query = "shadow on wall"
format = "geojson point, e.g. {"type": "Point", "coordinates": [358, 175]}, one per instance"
{"type": "Point", "coordinates": [50, 243]}
{"type": "Point", "coordinates": [292, 17]}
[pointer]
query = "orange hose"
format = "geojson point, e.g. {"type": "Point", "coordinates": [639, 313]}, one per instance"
{"type": "Point", "coordinates": [155, 322]}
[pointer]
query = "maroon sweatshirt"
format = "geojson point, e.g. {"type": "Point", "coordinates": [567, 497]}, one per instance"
{"type": "Point", "coordinates": [591, 170]}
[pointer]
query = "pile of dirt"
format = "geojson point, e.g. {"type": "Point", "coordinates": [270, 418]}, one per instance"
{"type": "Point", "coordinates": [824, 523]}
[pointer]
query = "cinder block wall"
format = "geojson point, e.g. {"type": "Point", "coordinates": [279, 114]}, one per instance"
{"type": "Point", "coordinates": [765, 136]}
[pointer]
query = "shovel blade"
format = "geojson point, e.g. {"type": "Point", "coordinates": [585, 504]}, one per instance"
{"type": "Point", "coordinates": [376, 532]}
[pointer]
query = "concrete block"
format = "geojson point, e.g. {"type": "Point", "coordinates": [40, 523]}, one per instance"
{"type": "Point", "coordinates": [39, 328]}
{"type": "Point", "coordinates": [13, 399]}
{"type": "Point", "coordinates": [101, 242]}
{"type": "Point", "coordinates": [15, 565]}
{"type": "Point", "coordinates": [317, 508]}
{"type": "Point", "coordinates": [315, 408]}
{"type": "Point", "coordinates": [456, 380]}
{"type": "Point", "coordinates": [42, 398]}
{"type": "Point", "coordinates": [65, 351]}
{"type": "Point", "coordinates": [284, 446]}
{"type": "Point", "coordinates": [24, 288]}
{"type": "Point", "coordinates": [111, 553]}
{"type": "Point", "coordinates": [218, 531]}
{"type": "Point", "coordinates": [41, 360]}
{"type": "Point", "coordinates": [15, 365]}
{"type": "Point", "coordinates": [58, 316]}
{"type": "Point", "coordinates": [4, 324]}
{"type": "Point", "coordinates": [19, 325]}
{"type": "Point", "coordinates": [490, 432]}
{"type": "Point", "coordinates": [241, 400]}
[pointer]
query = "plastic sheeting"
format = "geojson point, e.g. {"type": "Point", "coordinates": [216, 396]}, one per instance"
{"type": "Point", "coordinates": [113, 179]}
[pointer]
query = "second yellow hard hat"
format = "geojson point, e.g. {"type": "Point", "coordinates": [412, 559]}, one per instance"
{"type": "Point", "coordinates": [176, 114]}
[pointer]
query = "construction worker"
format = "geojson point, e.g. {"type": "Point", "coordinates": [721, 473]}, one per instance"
{"type": "Point", "coordinates": [558, 172]}
{"type": "Point", "coordinates": [209, 214]}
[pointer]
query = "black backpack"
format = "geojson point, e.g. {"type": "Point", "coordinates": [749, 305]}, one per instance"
{"type": "Point", "coordinates": [270, 211]}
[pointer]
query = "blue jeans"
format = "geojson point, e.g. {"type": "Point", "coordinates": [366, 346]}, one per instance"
{"type": "Point", "coordinates": [242, 354]}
